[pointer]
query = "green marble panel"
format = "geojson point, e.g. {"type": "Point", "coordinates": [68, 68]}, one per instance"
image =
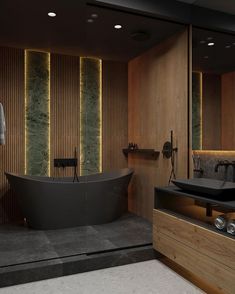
{"type": "Point", "coordinates": [37, 112]}
{"type": "Point", "coordinates": [196, 111]}
{"type": "Point", "coordinates": [90, 116]}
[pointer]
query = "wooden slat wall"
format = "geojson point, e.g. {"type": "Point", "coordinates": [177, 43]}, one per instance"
{"type": "Point", "coordinates": [227, 111]}
{"type": "Point", "coordinates": [158, 103]}
{"type": "Point", "coordinates": [115, 114]}
{"type": "Point", "coordinates": [11, 154]}
{"type": "Point", "coordinates": [64, 118]}
{"type": "Point", "coordinates": [65, 109]}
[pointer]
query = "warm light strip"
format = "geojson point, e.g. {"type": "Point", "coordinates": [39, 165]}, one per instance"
{"type": "Point", "coordinates": [25, 104]}
{"type": "Point", "coordinates": [81, 110]}
{"type": "Point", "coordinates": [80, 120]}
{"type": "Point", "coordinates": [101, 116]}
{"type": "Point", "coordinates": [49, 114]}
{"type": "Point", "coordinates": [217, 152]}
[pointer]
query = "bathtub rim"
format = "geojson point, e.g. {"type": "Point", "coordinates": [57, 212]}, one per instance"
{"type": "Point", "coordinates": [40, 178]}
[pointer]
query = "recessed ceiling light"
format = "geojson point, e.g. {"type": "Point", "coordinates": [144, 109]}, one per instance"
{"type": "Point", "coordinates": [211, 44]}
{"type": "Point", "coordinates": [90, 20]}
{"type": "Point", "coordinates": [227, 46]}
{"type": "Point", "coordinates": [94, 15]}
{"type": "Point", "coordinates": [118, 26]}
{"type": "Point", "coordinates": [202, 42]}
{"type": "Point", "coordinates": [51, 14]}
{"type": "Point", "coordinates": [209, 38]}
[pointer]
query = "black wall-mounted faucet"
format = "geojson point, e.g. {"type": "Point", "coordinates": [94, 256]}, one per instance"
{"type": "Point", "coordinates": [226, 164]}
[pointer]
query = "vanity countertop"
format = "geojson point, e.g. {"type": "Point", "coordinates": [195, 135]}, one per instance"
{"type": "Point", "coordinates": [181, 193]}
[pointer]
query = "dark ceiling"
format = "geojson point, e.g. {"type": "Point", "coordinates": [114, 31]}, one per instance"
{"type": "Point", "coordinates": [219, 58]}
{"type": "Point", "coordinates": [25, 24]}
{"type": "Point", "coordinates": [227, 6]}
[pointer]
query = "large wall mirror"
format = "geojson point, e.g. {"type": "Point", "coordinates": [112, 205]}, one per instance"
{"type": "Point", "coordinates": [213, 90]}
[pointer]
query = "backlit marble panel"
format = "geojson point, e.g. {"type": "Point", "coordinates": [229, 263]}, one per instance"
{"type": "Point", "coordinates": [37, 109]}
{"type": "Point", "coordinates": [196, 112]}
{"type": "Point", "coordinates": [90, 116]}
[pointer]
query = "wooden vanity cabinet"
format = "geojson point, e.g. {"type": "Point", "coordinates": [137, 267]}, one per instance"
{"type": "Point", "coordinates": [183, 233]}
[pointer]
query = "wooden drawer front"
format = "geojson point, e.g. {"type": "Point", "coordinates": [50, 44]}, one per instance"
{"type": "Point", "coordinates": [218, 275]}
{"type": "Point", "coordinates": [212, 244]}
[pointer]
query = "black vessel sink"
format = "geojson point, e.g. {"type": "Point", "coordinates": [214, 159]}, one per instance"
{"type": "Point", "coordinates": [206, 186]}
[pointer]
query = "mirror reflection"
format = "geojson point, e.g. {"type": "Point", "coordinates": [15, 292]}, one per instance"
{"type": "Point", "coordinates": [213, 90]}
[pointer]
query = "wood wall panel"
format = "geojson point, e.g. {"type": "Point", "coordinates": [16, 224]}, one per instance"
{"type": "Point", "coordinates": [157, 104]}
{"type": "Point", "coordinates": [12, 153]}
{"type": "Point", "coordinates": [65, 110]}
{"type": "Point", "coordinates": [115, 114]}
{"type": "Point", "coordinates": [227, 111]}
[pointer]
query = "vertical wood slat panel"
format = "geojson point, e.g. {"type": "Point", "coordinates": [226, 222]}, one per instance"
{"type": "Point", "coordinates": [65, 113]}
{"type": "Point", "coordinates": [65, 110]}
{"type": "Point", "coordinates": [12, 153]}
{"type": "Point", "coordinates": [115, 114]}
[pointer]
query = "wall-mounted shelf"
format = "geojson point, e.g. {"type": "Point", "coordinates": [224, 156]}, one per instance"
{"type": "Point", "coordinates": [149, 152]}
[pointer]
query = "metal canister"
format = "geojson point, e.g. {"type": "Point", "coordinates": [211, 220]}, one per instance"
{"type": "Point", "coordinates": [231, 227]}
{"type": "Point", "coordinates": [221, 222]}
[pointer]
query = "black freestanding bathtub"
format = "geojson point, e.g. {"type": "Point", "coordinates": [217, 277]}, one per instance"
{"type": "Point", "coordinates": [49, 203]}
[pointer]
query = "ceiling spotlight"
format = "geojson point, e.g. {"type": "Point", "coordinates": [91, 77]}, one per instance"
{"type": "Point", "coordinates": [209, 38]}
{"type": "Point", "coordinates": [202, 42]}
{"type": "Point", "coordinates": [90, 20]}
{"type": "Point", "coordinates": [211, 44]}
{"type": "Point", "coordinates": [51, 14]}
{"type": "Point", "coordinates": [118, 26]}
{"type": "Point", "coordinates": [94, 15]}
{"type": "Point", "coordinates": [228, 46]}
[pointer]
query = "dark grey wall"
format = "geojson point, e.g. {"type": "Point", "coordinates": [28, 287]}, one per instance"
{"type": "Point", "coordinates": [176, 11]}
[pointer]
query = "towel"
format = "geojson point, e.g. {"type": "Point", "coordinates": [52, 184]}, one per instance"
{"type": "Point", "coordinates": [2, 126]}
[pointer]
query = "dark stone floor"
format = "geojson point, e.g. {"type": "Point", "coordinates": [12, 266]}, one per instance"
{"type": "Point", "coordinates": [28, 255]}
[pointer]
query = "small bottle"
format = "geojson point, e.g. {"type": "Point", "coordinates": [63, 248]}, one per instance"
{"type": "Point", "coordinates": [25, 224]}
{"type": "Point", "coordinates": [221, 222]}
{"type": "Point", "coordinates": [231, 227]}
